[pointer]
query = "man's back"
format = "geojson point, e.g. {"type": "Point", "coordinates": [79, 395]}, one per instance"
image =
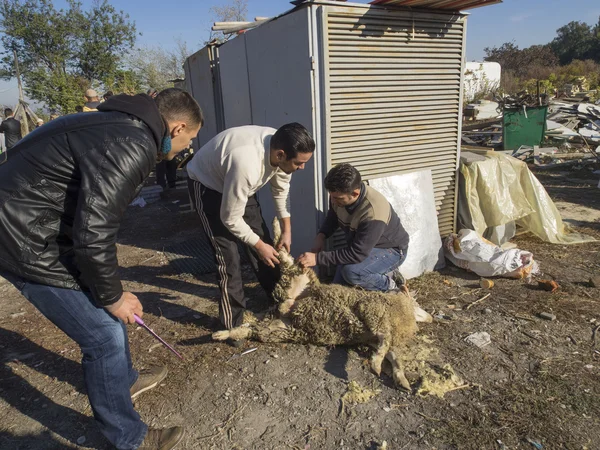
{"type": "Point", "coordinates": [11, 128]}
{"type": "Point", "coordinates": [59, 187]}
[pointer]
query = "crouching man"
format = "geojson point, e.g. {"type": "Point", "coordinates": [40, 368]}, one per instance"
{"type": "Point", "coordinates": [225, 175]}
{"type": "Point", "coordinates": [63, 193]}
{"type": "Point", "coordinates": [377, 241]}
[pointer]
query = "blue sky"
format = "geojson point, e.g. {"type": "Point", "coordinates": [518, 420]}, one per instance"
{"type": "Point", "coordinates": [526, 22]}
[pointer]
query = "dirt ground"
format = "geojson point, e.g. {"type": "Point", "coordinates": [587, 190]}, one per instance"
{"type": "Point", "coordinates": [537, 383]}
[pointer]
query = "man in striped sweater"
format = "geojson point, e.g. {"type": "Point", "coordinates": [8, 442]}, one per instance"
{"type": "Point", "coordinates": [225, 175]}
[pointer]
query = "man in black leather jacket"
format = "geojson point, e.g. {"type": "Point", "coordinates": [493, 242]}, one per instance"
{"type": "Point", "coordinates": [11, 128]}
{"type": "Point", "coordinates": [63, 192]}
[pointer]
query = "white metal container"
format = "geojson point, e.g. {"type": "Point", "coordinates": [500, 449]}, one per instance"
{"type": "Point", "coordinates": [380, 88]}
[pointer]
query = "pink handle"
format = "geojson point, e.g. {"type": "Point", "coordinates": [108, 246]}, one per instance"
{"type": "Point", "coordinates": [139, 321]}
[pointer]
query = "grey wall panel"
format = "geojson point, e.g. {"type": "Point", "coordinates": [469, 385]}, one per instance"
{"type": "Point", "coordinates": [233, 71]}
{"type": "Point", "coordinates": [199, 83]}
{"type": "Point", "coordinates": [280, 71]}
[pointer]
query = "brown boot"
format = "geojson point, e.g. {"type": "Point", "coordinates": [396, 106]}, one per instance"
{"type": "Point", "coordinates": [164, 439]}
{"type": "Point", "coordinates": [147, 379]}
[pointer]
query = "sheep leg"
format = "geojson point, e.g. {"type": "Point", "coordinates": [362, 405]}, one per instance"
{"type": "Point", "coordinates": [381, 351]}
{"type": "Point", "coordinates": [397, 369]}
{"type": "Point", "coordinates": [235, 334]}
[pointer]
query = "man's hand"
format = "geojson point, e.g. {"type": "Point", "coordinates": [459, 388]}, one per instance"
{"type": "Point", "coordinates": [129, 305]}
{"type": "Point", "coordinates": [286, 235]}
{"type": "Point", "coordinates": [307, 259]}
{"type": "Point", "coordinates": [267, 254]}
{"type": "Point", "coordinates": [285, 241]}
{"type": "Point", "coordinates": [319, 243]}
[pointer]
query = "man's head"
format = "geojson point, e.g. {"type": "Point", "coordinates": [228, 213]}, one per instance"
{"type": "Point", "coordinates": [183, 115]}
{"type": "Point", "coordinates": [8, 112]}
{"type": "Point", "coordinates": [291, 147]}
{"type": "Point", "coordinates": [108, 95]}
{"type": "Point", "coordinates": [343, 184]}
{"type": "Point", "coordinates": [40, 122]}
{"type": "Point", "coordinates": [91, 95]}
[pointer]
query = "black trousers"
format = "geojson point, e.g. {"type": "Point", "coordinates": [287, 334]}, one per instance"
{"type": "Point", "coordinates": [227, 257]}
{"type": "Point", "coordinates": [166, 173]}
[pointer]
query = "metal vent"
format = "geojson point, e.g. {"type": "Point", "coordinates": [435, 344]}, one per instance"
{"type": "Point", "coordinates": [393, 88]}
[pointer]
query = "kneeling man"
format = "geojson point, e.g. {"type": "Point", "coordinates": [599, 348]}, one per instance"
{"type": "Point", "coordinates": [377, 241]}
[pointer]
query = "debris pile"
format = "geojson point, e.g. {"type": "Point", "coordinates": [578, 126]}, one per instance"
{"type": "Point", "coordinates": [571, 136]}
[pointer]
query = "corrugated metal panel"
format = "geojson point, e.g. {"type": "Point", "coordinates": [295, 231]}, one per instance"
{"type": "Point", "coordinates": [393, 87]}
{"type": "Point", "coordinates": [454, 5]}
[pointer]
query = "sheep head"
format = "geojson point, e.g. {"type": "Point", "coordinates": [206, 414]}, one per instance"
{"type": "Point", "coordinates": [294, 278]}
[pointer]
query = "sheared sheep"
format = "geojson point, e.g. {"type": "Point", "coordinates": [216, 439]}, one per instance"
{"type": "Point", "coordinates": [312, 313]}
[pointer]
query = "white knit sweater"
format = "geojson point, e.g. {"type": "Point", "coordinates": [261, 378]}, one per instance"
{"type": "Point", "coordinates": [236, 163]}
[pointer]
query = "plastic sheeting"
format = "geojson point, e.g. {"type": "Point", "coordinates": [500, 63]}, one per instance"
{"type": "Point", "coordinates": [411, 195]}
{"type": "Point", "coordinates": [502, 189]}
{"type": "Point", "coordinates": [470, 251]}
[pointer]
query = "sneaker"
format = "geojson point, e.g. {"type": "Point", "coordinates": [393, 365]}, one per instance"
{"type": "Point", "coordinates": [164, 439]}
{"type": "Point", "coordinates": [148, 379]}
{"type": "Point", "coordinates": [398, 279]}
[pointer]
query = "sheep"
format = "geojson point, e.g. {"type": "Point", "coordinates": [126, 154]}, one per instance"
{"type": "Point", "coordinates": [313, 313]}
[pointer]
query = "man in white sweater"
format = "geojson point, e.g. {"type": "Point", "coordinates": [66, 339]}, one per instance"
{"type": "Point", "coordinates": [225, 175]}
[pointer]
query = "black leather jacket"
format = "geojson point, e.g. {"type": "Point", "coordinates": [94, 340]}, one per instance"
{"type": "Point", "coordinates": [64, 190]}
{"type": "Point", "coordinates": [11, 128]}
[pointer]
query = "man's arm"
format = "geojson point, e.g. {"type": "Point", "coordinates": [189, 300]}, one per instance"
{"type": "Point", "coordinates": [366, 237]}
{"type": "Point", "coordinates": [105, 191]}
{"type": "Point", "coordinates": [331, 223]}
{"type": "Point", "coordinates": [236, 191]}
{"type": "Point", "coordinates": [280, 189]}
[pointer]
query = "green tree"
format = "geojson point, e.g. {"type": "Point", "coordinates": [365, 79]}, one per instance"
{"type": "Point", "coordinates": [520, 62]}
{"type": "Point", "coordinates": [574, 41]}
{"type": "Point", "coordinates": [156, 66]}
{"type": "Point", "coordinates": [63, 52]}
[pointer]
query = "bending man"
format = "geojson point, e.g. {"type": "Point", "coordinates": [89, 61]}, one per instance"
{"type": "Point", "coordinates": [225, 175]}
{"type": "Point", "coordinates": [376, 240]}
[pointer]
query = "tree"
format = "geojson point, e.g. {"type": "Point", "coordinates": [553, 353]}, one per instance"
{"type": "Point", "coordinates": [156, 66]}
{"type": "Point", "coordinates": [574, 41]}
{"type": "Point", "coordinates": [522, 62]}
{"type": "Point", "coordinates": [63, 52]}
{"type": "Point", "coordinates": [235, 11]}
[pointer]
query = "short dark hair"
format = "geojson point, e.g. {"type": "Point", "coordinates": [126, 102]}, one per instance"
{"type": "Point", "coordinates": [8, 112]}
{"type": "Point", "coordinates": [176, 104]}
{"type": "Point", "coordinates": [343, 178]}
{"type": "Point", "coordinates": [293, 138]}
{"type": "Point", "coordinates": [108, 94]}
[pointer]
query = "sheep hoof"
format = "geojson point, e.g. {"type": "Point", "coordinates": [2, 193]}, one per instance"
{"type": "Point", "coordinates": [222, 335]}
{"type": "Point", "coordinates": [401, 380]}
{"type": "Point", "coordinates": [376, 364]}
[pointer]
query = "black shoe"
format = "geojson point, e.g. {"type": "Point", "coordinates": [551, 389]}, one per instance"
{"type": "Point", "coordinates": [234, 344]}
{"type": "Point", "coordinates": [398, 279]}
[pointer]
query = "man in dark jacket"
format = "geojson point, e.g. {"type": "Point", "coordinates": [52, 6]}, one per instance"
{"type": "Point", "coordinates": [377, 241]}
{"type": "Point", "coordinates": [63, 193]}
{"type": "Point", "coordinates": [11, 128]}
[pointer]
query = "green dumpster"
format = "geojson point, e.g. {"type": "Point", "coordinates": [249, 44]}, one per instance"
{"type": "Point", "coordinates": [523, 126]}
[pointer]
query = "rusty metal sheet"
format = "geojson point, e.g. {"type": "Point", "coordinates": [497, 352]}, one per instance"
{"type": "Point", "coordinates": [453, 5]}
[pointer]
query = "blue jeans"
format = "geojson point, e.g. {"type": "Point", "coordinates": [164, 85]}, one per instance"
{"type": "Point", "coordinates": [106, 361]}
{"type": "Point", "coordinates": [372, 273]}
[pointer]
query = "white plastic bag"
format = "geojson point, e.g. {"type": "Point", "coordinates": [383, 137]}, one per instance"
{"type": "Point", "coordinates": [411, 195]}
{"type": "Point", "coordinates": [470, 251]}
